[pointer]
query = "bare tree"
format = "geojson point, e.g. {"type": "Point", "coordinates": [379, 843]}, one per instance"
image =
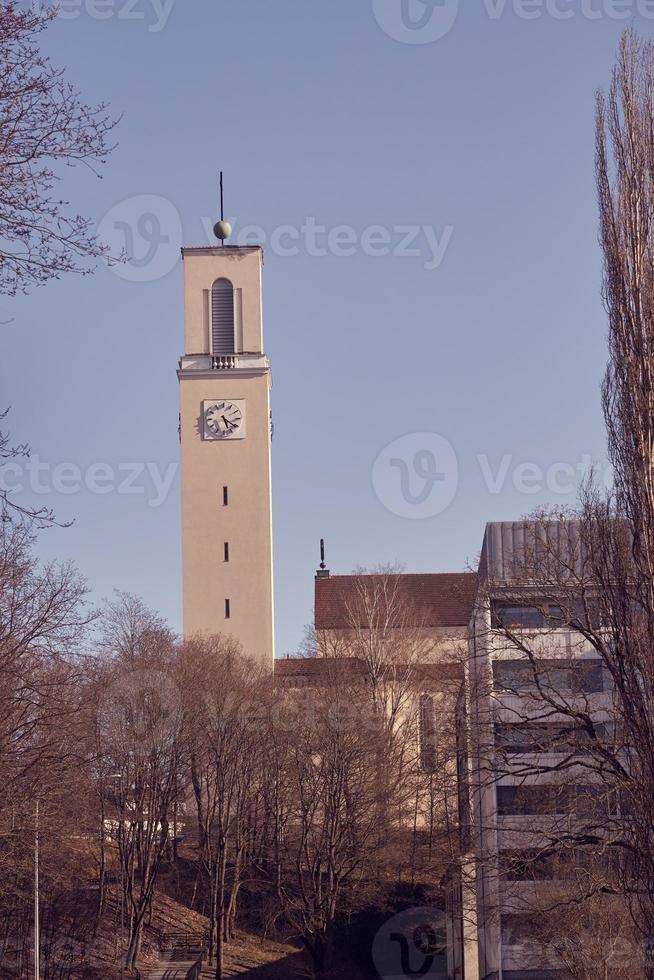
{"type": "Point", "coordinates": [409, 676]}
{"type": "Point", "coordinates": [140, 741]}
{"type": "Point", "coordinates": [45, 127]}
{"type": "Point", "coordinates": [43, 622]}
{"type": "Point", "coordinates": [10, 509]}
{"type": "Point", "coordinates": [329, 839]}
{"type": "Point", "coordinates": [594, 939]}
{"type": "Point", "coordinates": [43, 618]}
{"type": "Point", "coordinates": [386, 632]}
{"type": "Point", "coordinates": [622, 527]}
{"type": "Point", "coordinates": [223, 746]}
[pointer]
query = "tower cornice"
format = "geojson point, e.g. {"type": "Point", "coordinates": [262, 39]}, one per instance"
{"type": "Point", "coordinates": [223, 365]}
{"type": "Point", "coordinates": [220, 250]}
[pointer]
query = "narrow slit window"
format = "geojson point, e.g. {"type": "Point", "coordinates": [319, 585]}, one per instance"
{"type": "Point", "coordinates": [228, 611]}
{"type": "Point", "coordinates": [225, 496]}
{"type": "Point", "coordinates": [427, 733]}
{"type": "Point", "coordinates": [226, 550]}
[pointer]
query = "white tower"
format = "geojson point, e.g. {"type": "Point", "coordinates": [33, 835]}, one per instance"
{"type": "Point", "coordinates": [225, 433]}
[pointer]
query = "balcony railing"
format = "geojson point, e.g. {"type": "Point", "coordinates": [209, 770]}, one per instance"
{"type": "Point", "coordinates": [223, 362]}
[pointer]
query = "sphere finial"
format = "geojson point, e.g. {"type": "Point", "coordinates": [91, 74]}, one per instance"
{"type": "Point", "coordinates": [323, 571]}
{"type": "Point", "coordinates": [222, 229]}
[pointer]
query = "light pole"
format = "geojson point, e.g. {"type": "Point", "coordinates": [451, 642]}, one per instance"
{"type": "Point", "coordinates": [121, 827]}
{"type": "Point", "coordinates": [37, 924]}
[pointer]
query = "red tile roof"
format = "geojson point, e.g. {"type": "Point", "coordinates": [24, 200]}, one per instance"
{"type": "Point", "coordinates": [439, 599]}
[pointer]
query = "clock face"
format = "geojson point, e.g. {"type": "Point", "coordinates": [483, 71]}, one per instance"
{"type": "Point", "coordinates": [223, 419]}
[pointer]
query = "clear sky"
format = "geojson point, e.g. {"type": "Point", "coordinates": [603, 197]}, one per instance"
{"type": "Point", "coordinates": [422, 175]}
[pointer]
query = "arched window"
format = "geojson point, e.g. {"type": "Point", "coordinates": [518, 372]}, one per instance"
{"type": "Point", "coordinates": [222, 317]}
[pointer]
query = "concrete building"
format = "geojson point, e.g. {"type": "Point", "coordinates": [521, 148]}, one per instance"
{"type": "Point", "coordinates": [517, 798]}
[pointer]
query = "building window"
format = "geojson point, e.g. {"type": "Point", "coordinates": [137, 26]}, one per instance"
{"type": "Point", "coordinates": [530, 866]}
{"type": "Point", "coordinates": [427, 733]}
{"type": "Point", "coordinates": [532, 800]}
{"type": "Point", "coordinates": [228, 611]}
{"type": "Point", "coordinates": [529, 736]}
{"type": "Point", "coordinates": [532, 975]}
{"type": "Point", "coordinates": [226, 550]}
{"type": "Point", "coordinates": [518, 929]}
{"type": "Point", "coordinates": [552, 798]}
{"type": "Point", "coordinates": [505, 616]}
{"type": "Point", "coordinates": [552, 865]}
{"type": "Point", "coordinates": [575, 677]}
{"type": "Point", "coordinates": [569, 614]}
{"type": "Point", "coordinates": [222, 317]}
{"type": "Point", "coordinates": [225, 496]}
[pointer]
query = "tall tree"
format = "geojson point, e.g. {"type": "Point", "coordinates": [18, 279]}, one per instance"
{"type": "Point", "coordinates": [43, 619]}
{"type": "Point", "coordinates": [620, 530]}
{"type": "Point", "coordinates": [140, 745]}
{"type": "Point", "coordinates": [329, 841]}
{"type": "Point", "coordinates": [223, 749]}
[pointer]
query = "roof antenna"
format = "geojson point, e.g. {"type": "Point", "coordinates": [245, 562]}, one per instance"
{"type": "Point", "coordinates": [222, 229]}
{"type": "Point", "coordinates": [323, 571]}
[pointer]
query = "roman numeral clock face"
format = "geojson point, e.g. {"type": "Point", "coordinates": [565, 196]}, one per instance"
{"type": "Point", "coordinates": [224, 419]}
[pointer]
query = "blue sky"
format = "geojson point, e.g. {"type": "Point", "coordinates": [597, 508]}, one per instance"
{"type": "Point", "coordinates": [431, 288]}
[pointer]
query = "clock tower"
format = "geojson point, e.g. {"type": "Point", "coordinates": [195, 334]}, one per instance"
{"type": "Point", "coordinates": [225, 432]}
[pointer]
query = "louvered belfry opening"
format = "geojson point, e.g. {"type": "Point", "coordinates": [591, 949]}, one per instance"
{"type": "Point", "coordinates": [222, 317]}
